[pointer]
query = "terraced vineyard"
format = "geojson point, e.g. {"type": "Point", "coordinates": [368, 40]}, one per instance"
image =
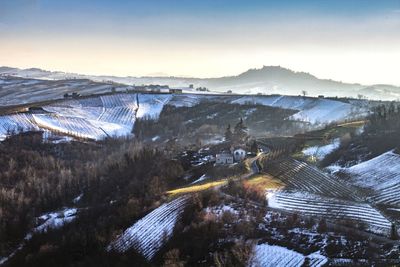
{"type": "Point", "coordinates": [329, 208]}
{"type": "Point", "coordinates": [16, 123]}
{"type": "Point", "coordinates": [148, 234]}
{"type": "Point", "coordinates": [119, 109]}
{"type": "Point", "coordinates": [151, 105]}
{"type": "Point", "coordinates": [266, 255]}
{"type": "Point", "coordinates": [94, 118]}
{"type": "Point", "coordinates": [115, 114]}
{"type": "Point", "coordinates": [88, 108]}
{"type": "Point", "coordinates": [301, 176]}
{"type": "Point", "coordinates": [384, 182]}
{"type": "Point", "coordinates": [73, 126]}
{"type": "Point", "coordinates": [309, 109]}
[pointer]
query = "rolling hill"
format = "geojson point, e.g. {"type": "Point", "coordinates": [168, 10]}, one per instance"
{"type": "Point", "coordinates": [99, 116]}
{"type": "Point", "coordinates": [267, 80]}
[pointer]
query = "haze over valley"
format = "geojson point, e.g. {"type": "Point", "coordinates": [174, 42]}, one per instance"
{"type": "Point", "coordinates": [266, 80]}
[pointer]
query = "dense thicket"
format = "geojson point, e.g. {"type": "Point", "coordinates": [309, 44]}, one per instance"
{"type": "Point", "coordinates": [37, 177]}
{"type": "Point", "coordinates": [381, 133]}
{"type": "Point", "coordinates": [208, 120]}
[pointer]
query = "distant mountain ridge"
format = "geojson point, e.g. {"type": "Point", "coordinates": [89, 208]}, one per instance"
{"type": "Point", "coordinates": [266, 80]}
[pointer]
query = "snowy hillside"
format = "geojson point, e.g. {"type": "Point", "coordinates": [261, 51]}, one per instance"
{"type": "Point", "coordinates": [270, 256]}
{"type": "Point", "coordinates": [151, 105]}
{"type": "Point", "coordinates": [314, 110]}
{"type": "Point", "coordinates": [17, 91]}
{"type": "Point", "coordinates": [54, 220]}
{"type": "Point", "coordinates": [148, 235]}
{"type": "Point", "coordinates": [105, 115]}
{"type": "Point", "coordinates": [16, 123]}
{"type": "Point", "coordinates": [330, 208]}
{"type": "Point", "coordinates": [380, 174]}
{"type": "Point", "coordinates": [92, 118]}
{"type": "Point", "coordinates": [268, 79]}
{"type": "Point", "coordinates": [48, 221]}
{"type": "Point", "coordinates": [321, 151]}
{"type": "Point", "coordinates": [298, 175]}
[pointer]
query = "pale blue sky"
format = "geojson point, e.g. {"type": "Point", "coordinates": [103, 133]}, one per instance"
{"type": "Point", "coordinates": [349, 40]}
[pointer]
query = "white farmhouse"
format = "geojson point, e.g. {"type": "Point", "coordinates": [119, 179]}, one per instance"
{"type": "Point", "coordinates": [224, 158]}
{"type": "Point", "coordinates": [239, 154]}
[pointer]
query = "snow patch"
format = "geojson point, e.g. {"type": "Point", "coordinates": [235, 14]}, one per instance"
{"type": "Point", "coordinates": [55, 220]}
{"type": "Point", "coordinates": [320, 152]}
{"type": "Point", "coordinates": [330, 208]}
{"type": "Point", "coordinates": [202, 178]}
{"type": "Point", "coordinates": [150, 233]}
{"type": "Point", "coordinates": [271, 256]}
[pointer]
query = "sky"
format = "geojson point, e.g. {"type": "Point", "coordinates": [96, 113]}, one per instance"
{"type": "Point", "coordinates": [344, 40]}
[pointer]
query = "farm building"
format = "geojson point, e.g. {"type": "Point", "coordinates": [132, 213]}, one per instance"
{"type": "Point", "coordinates": [239, 154]}
{"type": "Point", "coordinates": [175, 91]}
{"type": "Point", "coordinates": [224, 158]}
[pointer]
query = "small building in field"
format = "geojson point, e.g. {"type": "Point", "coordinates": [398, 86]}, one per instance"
{"type": "Point", "coordinates": [239, 154]}
{"type": "Point", "coordinates": [224, 158]}
{"type": "Point", "coordinates": [175, 91]}
{"type": "Point", "coordinates": [73, 95]}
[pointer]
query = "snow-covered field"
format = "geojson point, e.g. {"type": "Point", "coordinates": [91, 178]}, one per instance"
{"type": "Point", "coordinates": [148, 234]}
{"type": "Point", "coordinates": [380, 174]}
{"type": "Point", "coordinates": [330, 208]}
{"type": "Point", "coordinates": [73, 126]}
{"type": "Point", "coordinates": [16, 91]}
{"type": "Point", "coordinates": [51, 220]}
{"type": "Point", "coordinates": [266, 255]}
{"type": "Point", "coordinates": [55, 220]}
{"type": "Point", "coordinates": [92, 118]}
{"type": "Point", "coordinates": [151, 105]}
{"type": "Point", "coordinates": [106, 115]}
{"type": "Point", "coordinates": [320, 152]}
{"type": "Point", "coordinates": [16, 123]}
{"type": "Point", "coordinates": [298, 175]}
{"type": "Point", "coordinates": [313, 110]}
{"type": "Point", "coordinates": [114, 115]}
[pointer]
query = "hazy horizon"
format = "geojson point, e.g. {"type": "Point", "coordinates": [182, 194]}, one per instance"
{"type": "Point", "coordinates": [351, 41]}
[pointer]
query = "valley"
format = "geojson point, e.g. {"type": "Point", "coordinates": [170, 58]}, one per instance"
{"type": "Point", "coordinates": [279, 191]}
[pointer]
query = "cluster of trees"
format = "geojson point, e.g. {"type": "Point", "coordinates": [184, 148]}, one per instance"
{"type": "Point", "coordinates": [208, 119]}
{"type": "Point", "coordinates": [381, 134]}
{"type": "Point", "coordinates": [120, 181]}
{"type": "Point", "coordinates": [238, 135]}
{"type": "Point", "coordinates": [202, 89]}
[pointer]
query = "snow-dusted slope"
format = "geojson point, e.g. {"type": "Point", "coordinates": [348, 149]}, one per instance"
{"type": "Point", "coordinates": [314, 110]}
{"type": "Point", "coordinates": [73, 126]}
{"type": "Point", "coordinates": [94, 118]}
{"type": "Point", "coordinates": [380, 174]}
{"type": "Point", "coordinates": [148, 234]}
{"type": "Point", "coordinates": [16, 123]}
{"type": "Point", "coordinates": [298, 175]}
{"type": "Point", "coordinates": [321, 151]}
{"type": "Point", "coordinates": [16, 91]}
{"type": "Point", "coordinates": [266, 255]}
{"type": "Point", "coordinates": [151, 105]}
{"type": "Point", "coordinates": [268, 79]}
{"type": "Point", "coordinates": [114, 114]}
{"type": "Point", "coordinates": [330, 208]}
{"type": "Point", "coordinates": [270, 256]}
{"type": "Point", "coordinates": [54, 220]}
{"type": "Point", "coordinates": [106, 115]}
{"type": "Point", "coordinates": [51, 220]}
